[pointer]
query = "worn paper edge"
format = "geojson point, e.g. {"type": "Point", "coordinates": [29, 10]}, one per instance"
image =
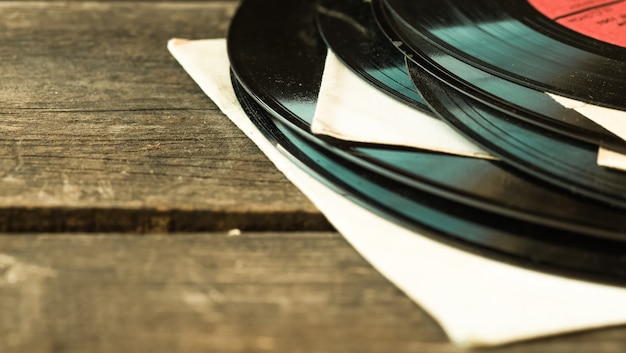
{"type": "Point", "coordinates": [526, 304]}
{"type": "Point", "coordinates": [611, 159]}
{"type": "Point", "coordinates": [348, 108]}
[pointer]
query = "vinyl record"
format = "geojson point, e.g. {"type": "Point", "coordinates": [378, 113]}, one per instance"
{"type": "Point", "coordinates": [520, 101]}
{"type": "Point", "coordinates": [487, 185]}
{"type": "Point", "coordinates": [502, 238]}
{"type": "Point", "coordinates": [350, 31]}
{"type": "Point", "coordinates": [513, 40]}
{"type": "Point", "coordinates": [264, 35]}
{"type": "Point", "coordinates": [559, 160]}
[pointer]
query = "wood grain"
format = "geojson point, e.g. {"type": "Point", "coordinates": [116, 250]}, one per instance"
{"type": "Point", "coordinates": [102, 130]}
{"type": "Point", "coordinates": [257, 292]}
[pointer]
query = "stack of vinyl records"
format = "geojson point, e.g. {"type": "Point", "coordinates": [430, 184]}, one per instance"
{"type": "Point", "coordinates": [532, 82]}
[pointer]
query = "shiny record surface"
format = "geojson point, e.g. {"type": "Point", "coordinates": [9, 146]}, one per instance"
{"type": "Point", "coordinates": [350, 31]}
{"type": "Point", "coordinates": [279, 56]}
{"type": "Point", "coordinates": [512, 40]}
{"type": "Point", "coordinates": [279, 78]}
{"type": "Point", "coordinates": [537, 247]}
{"type": "Point", "coordinates": [431, 190]}
{"type": "Point", "coordinates": [517, 100]}
{"type": "Point", "coordinates": [562, 161]}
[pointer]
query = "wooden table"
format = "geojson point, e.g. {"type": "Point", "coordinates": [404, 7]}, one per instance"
{"type": "Point", "coordinates": [120, 183]}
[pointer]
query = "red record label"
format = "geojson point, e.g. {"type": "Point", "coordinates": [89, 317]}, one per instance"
{"type": "Point", "coordinates": [604, 20]}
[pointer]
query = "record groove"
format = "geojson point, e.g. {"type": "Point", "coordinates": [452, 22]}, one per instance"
{"type": "Point", "coordinates": [350, 31]}
{"type": "Point", "coordinates": [470, 214]}
{"type": "Point", "coordinates": [481, 183]}
{"type": "Point", "coordinates": [521, 102]}
{"type": "Point", "coordinates": [512, 40]}
{"type": "Point", "coordinates": [496, 237]}
{"type": "Point", "coordinates": [564, 162]}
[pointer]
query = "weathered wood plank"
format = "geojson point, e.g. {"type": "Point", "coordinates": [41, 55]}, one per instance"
{"type": "Point", "coordinates": [278, 292]}
{"type": "Point", "coordinates": [101, 129]}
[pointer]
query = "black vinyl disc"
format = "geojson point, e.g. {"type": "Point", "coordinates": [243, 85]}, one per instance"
{"type": "Point", "coordinates": [559, 160]}
{"type": "Point", "coordinates": [511, 39]}
{"type": "Point", "coordinates": [266, 35]}
{"type": "Point", "coordinates": [483, 184]}
{"type": "Point", "coordinates": [520, 101]}
{"type": "Point", "coordinates": [502, 238]}
{"type": "Point", "coordinates": [350, 31]}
